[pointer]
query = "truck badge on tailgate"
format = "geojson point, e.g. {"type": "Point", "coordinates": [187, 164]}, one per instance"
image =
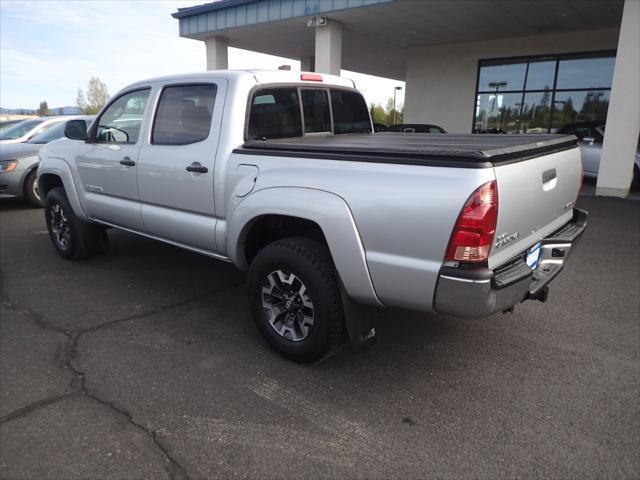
{"type": "Point", "coordinates": [505, 238]}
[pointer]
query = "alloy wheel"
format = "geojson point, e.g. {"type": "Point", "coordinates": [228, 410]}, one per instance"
{"type": "Point", "coordinates": [288, 305]}
{"type": "Point", "coordinates": [60, 226]}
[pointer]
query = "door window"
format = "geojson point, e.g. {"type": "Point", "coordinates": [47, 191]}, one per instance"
{"type": "Point", "coordinates": [184, 114]}
{"type": "Point", "coordinates": [122, 120]}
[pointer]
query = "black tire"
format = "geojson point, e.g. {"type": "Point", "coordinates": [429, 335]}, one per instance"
{"type": "Point", "coordinates": [71, 237]}
{"type": "Point", "coordinates": [31, 193]}
{"type": "Point", "coordinates": [635, 182]}
{"type": "Point", "coordinates": [310, 264]}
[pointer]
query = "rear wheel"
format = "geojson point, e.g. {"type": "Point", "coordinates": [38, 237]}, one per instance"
{"type": "Point", "coordinates": [71, 237]}
{"type": "Point", "coordinates": [295, 300]}
{"type": "Point", "coordinates": [31, 193]}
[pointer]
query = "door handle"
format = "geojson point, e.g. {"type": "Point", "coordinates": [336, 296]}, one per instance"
{"type": "Point", "coordinates": [197, 168]}
{"type": "Point", "coordinates": [127, 162]}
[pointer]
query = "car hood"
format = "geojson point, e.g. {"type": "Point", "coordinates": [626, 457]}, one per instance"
{"type": "Point", "coordinates": [15, 151]}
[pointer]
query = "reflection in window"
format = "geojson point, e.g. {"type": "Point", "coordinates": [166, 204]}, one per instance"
{"type": "Point", "coordinates": [586, 73]}
{"type": "Point", "coordinates": [580, 106]}
{"type": "Point", "coordinates": [536, 112]}
{"type": "Point", "coordinates": [542, 94]}
{"type": "Point", "coordinates": [540, 75]}
{"type": "Point", "coordinates": [502, 77]}
{"type": "Point", "coordinates": [122, 120]}
{"type": "Point", "coordinates": [498, 113]}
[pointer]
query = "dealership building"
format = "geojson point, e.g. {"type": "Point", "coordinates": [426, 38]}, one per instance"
{"type": "Point", "coordinates": [469, 65]}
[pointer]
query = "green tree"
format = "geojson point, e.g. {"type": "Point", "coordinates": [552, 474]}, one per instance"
{"type": "Point", "coordinates": [394, 116]}
{"type": "Point", "coordinates": [96, 97]}
{"type": "Point", "coordinates": [43, 108]}
{"type": "Point", "coordinates": [378, 115]}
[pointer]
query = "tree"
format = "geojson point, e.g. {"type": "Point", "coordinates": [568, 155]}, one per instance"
{"type": "Point", "coordinates": [43, 109]}
{"type": "Point", "coordinates": [60, 111]}
{"type": "Point", "coordinates": [393, 116]}
{"type": "Point", "coordinates": [96, 97]}
{"type": "Point", "coordinates": [378, 114]}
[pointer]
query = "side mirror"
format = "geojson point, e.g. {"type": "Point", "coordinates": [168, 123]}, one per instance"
{"type": "Point", "coordinates": [589, 140]}
{"type": "Point", "coordinates": [76, 130]}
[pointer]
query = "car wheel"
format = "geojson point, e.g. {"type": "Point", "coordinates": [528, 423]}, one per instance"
{"type": "Point", "coordinates": [31, 193]}
{"type": "Point", "coordinates": [295, 300]}
{"type": "Point", "coordinates": [71, 237]}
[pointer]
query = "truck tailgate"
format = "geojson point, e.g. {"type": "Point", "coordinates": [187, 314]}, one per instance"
{"type": "Point", "coordinates": [535, 197]}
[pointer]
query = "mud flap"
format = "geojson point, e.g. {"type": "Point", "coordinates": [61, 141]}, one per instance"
{"type": "Point", "coordinates": [360, 322]}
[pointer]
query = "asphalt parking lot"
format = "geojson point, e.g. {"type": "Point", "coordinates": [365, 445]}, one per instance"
{"type": "Point", "coordinates": [144, 363]}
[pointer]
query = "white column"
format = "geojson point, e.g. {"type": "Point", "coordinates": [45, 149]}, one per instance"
{"type": "Point", "coordinates": [307, 64]}
{"type": "Point", "coordinates": [217, 57]}
{"type": "Point", "coordinates": [329, 48]}
{"type": "Point", "coordinates": [623, 116]}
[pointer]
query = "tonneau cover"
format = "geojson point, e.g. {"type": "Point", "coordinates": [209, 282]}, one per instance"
{"type": "Point", "coordinates": [465, 150]}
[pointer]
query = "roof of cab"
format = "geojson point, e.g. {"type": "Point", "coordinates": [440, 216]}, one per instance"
{"type": "Point", "coordinates": [259, 76]}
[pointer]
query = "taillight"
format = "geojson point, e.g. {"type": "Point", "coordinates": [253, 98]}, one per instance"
{"type": "Point", "coordinates": [310, 77]}
{"type": "Point", "coordinates": [473, 233]}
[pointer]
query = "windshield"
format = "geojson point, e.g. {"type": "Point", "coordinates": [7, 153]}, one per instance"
{"type": "Point", "coordinates": [54, 133]}
{"type": "Point", "coordinates": [20, 129]}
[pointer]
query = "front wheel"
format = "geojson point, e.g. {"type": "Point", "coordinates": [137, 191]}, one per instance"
{"type": "Point", "coordinates": [71, 237]}
{"type": "Point", "coordinates": [31, 193]}
{"type": "Point", "coordinates": [295, 300]}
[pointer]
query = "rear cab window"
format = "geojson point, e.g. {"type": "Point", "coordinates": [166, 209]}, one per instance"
{"type": "Point", "coordinates": [285, 112]}
{"type": "Point", "coordinates": [184, 114]}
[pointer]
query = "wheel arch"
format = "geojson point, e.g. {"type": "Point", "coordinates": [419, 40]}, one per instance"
{"type": "Point", "coordinates": [55, 172]}
{"type": "Point", "coordinates": [317, 214]}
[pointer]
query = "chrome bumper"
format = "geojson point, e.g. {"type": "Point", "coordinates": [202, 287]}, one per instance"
{"type": "Point", "coordinates": [476, 293]}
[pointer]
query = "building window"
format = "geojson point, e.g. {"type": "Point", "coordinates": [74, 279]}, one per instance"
{"type": "Point", "coordinates": [542, 94]}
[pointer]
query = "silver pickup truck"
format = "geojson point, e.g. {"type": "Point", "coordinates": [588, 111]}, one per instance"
{"type": "Point", "coordinates": [280, 173]}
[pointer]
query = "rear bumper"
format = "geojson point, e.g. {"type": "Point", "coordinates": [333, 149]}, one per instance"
{"type": "Point", "coordinates": [476, 293]}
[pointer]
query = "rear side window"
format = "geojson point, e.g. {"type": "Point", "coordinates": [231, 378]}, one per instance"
{"type": "Point", "coordinates": [350, 113]}
{"type": "Point", "coordinates": [184, 114]}
{"type": "Point", "coordinates": [275, 113]}
{"type": "Point", "coordinates": [317, 116]}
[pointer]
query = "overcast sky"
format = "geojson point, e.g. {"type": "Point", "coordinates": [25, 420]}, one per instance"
{"type": "Point", "coordinates": [50, 48]}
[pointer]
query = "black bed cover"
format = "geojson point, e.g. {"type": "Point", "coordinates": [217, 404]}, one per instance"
{"type": "Point", "coordinates": [460, 150]}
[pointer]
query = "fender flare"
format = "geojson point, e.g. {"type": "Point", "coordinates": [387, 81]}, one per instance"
{"type": "Point", "coordinates": [327, 210]}
{"type": "Point", "coordinates": [60, 168]}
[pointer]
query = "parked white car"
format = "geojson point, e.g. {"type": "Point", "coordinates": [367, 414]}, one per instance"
{"type": "Point", "coordinates": [590, 136]}
{"type": "Point", "coordinates": [29, 128]}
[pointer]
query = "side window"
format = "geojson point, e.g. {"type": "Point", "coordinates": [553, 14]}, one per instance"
{"type": "Point", "coordinates": [350, 113]}
{"type": "Point", "coordinates": [184, 114]}
{"type": "Point", "coordinates": [275, 113]}
{"type": "Point", "coordinates": [317, 116]}
{"type": "Point", "coordinates": [121, 121]}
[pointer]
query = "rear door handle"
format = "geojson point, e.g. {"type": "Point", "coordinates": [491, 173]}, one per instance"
{"type": "Point", "coordinates": [197, 168]}
{"type": "Point", "coordinates": [127, 162]}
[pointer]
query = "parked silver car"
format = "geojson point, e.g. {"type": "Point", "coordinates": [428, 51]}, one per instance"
{"type": "Point", "coordinates": [590, 136]}
{"type": "Point", "coordinates": [19, 161]}
{"type": "Point", "coordinates": [29, 128]}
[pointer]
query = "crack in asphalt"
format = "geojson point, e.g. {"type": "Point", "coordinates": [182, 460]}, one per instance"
{"type": "Point", "coordinates": [175, 469]}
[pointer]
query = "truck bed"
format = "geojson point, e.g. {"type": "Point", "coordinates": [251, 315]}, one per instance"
{"type": "Point", "coordinates": [457, 150]}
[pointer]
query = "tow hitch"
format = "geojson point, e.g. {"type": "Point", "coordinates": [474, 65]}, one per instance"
{"type": "Point", "coordinates": [541, 295]}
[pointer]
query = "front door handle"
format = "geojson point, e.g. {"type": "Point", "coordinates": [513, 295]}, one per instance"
{"type": "Point", "coordinates": [197, 168]}
{"type": "Point", "coordinates": [127, 162]}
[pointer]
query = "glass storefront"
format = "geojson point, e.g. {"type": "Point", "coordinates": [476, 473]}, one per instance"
{"type": "Point", "coordinates": [542, 94]}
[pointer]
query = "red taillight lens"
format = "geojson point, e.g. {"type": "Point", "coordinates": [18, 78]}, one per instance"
{"type": "Point", "coordinates": [473, 233]}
